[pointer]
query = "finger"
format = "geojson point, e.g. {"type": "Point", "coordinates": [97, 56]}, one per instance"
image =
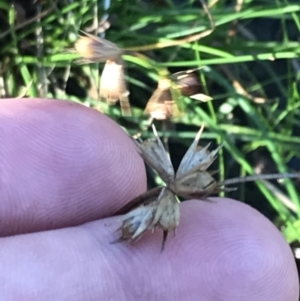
{"type": "Point", "coordinates": [62, 164]}
{"type": "Point", "coordinates": [224, 250]}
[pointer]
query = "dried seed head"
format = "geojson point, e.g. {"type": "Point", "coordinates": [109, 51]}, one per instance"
{"type": "Point", "coordinates": [154, 154]}
{"type": "Point", "coordinates": [113, 86]}
{"type": "Point", "coordinates": [94, 49]}
{"type": "Point", "coordinates": [191, 181]}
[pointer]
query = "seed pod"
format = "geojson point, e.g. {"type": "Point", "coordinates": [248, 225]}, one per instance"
{"type": "Point", "coordinates": [191, 181]}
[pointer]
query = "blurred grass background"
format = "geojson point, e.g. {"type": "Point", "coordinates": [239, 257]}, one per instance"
{"type": "Point", "coordinates": [249, 54]}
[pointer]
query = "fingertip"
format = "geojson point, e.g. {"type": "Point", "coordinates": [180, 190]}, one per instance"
{"type": "Point", "coordinates": [63, 164]}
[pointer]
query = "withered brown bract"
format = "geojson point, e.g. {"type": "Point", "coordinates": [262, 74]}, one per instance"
{"type": "Point", "coordinates": [94, 49]}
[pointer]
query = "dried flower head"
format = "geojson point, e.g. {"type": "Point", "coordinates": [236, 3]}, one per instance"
{"type": "Point", "coordinates": [113, 87]}
{"type": "Point", "coordinates": [191, 180]}
{"type": "Point", "coordinates": [159, 207]}
{"type": "Point", "coordinates": [94, 49]}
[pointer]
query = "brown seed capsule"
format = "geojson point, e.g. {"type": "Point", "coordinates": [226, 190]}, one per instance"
{"type": "Point", "coordinates": [187, 82]}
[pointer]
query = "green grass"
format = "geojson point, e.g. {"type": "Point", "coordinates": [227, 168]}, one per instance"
{"type": "Point", "coordinates": [250, 69]}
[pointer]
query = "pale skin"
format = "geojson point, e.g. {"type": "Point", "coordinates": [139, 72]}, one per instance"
{"type": "Point", "coordinates": [64, 170]}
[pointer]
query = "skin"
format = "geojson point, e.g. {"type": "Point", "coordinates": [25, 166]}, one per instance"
{"type": "Point", "coordinates": [65, 169]}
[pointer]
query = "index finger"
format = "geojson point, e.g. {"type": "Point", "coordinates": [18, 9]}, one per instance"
{"type": "Point", "coordinates": [62, 164]}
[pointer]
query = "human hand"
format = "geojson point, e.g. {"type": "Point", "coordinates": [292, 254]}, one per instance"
{"type": "Point", "coordinates": [64, 170]}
